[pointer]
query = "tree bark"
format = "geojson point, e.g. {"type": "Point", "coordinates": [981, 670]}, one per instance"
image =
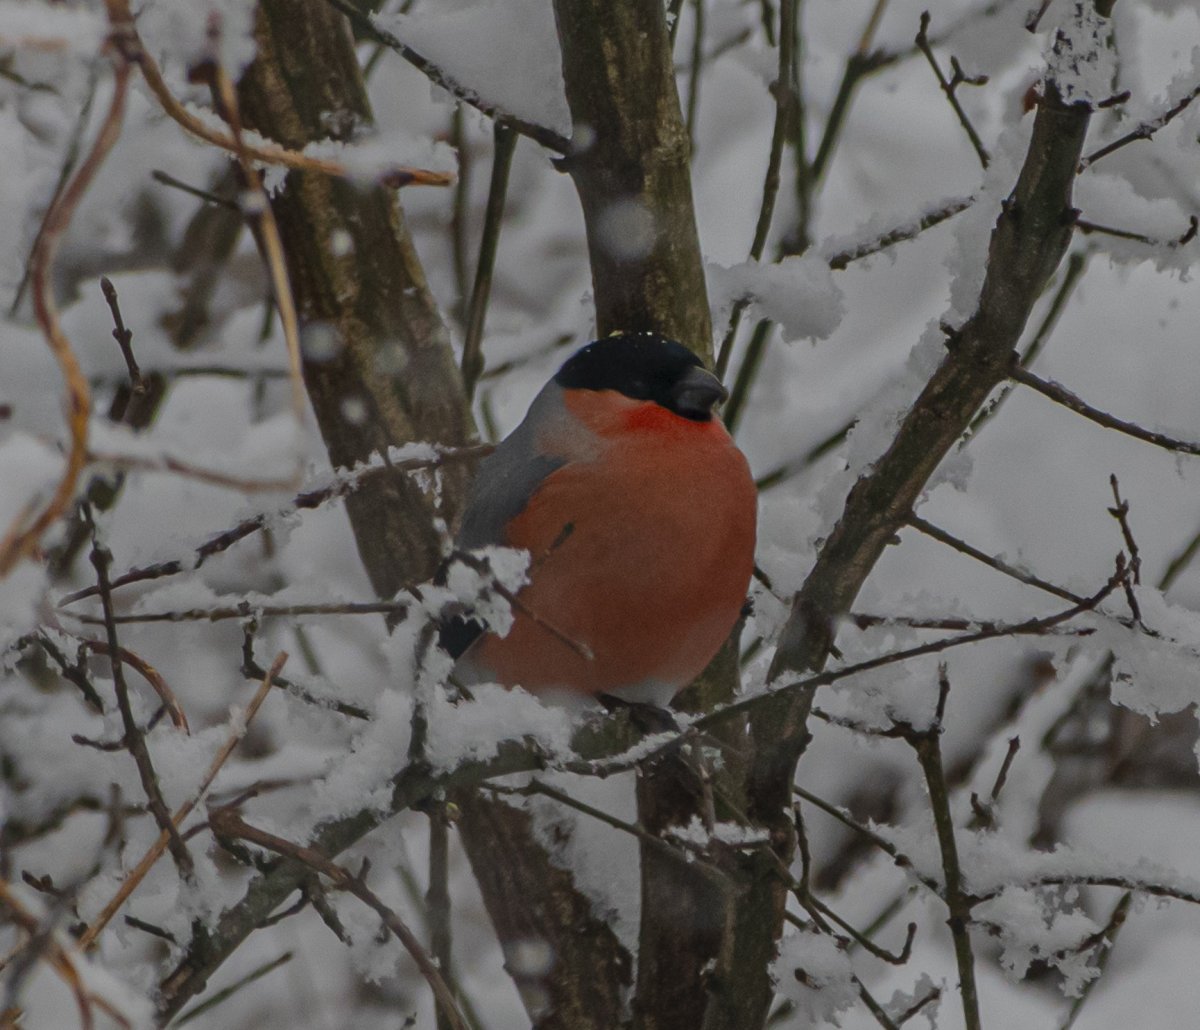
{"type": "Point", "coordinates": [378, 363]}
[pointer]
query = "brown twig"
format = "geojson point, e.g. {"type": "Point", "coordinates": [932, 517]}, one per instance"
{"type": "Point", "coordinates": [262, 218]}
{"type": "Point", "coordinates": [18, 542]}
{"type": "Point", "coordinates": [122, 335]}
{"type": "Point", "coordinates": [240, 726]}
{"type": "Point", "coordinates": [1143, 131]}
{"type": "Point", "coordinates": [1020, 575]}
{"type": "Point", "coordinates": [60, 961]}
{"type": "Point", "coordinates": [227, 992]}
{"type": "Point", "coordinates": [151, 675]}
{"type": "Point", "coordinates": [1189, 234]}
{"type": "Point", "coordinates": [133, 740]}
{"type": "Point", "coordinates": [345, 484]}
{"type": "Point", "coordinates": [1103, 942]}
{"type": "Point", "coordinates": [907, 231]}
{"type": "Point", "coordinates": [252, 670]}
{"type": "Point", "coordinates": [246, 610]}
{"type": "Point", "coordinates": [1061, 395]}
{"type": "Point", "coordinates": [227, 823]}
{"type": "Point", "coordinates": [784, 91]}
{"type": "Point", "coordinates": [505, 144]}
{"type": "Point", "coordinates": [548, 138]}
{"type": "Point", "coordinates": [1030, 627]}
{"type": "Point", "coordinates": [927, 745]}
{"type": "Point", "coordinates": [950, 87]}
{"type": "Point", "coordinates": [396, 176]}
{"type": "Point", "coordinates": [177, 466]}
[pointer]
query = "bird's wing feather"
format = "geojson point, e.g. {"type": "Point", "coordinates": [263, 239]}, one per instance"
{"type": "Point", "coordinates": [512, 473]}
{"type": "Point", "coordinates": [503, 486]}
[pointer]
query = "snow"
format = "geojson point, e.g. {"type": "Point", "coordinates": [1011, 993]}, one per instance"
{"type": "Point", "coordinates": [1031, 487]}
{"type": "Point", "coordinates": [504, 51]}
{"type": "Point", "coordinates": [816, 976]}
{"type": "Point", "coordinates": [798, 292]}
{"type": "Point", "coordinates": [1081, 60]}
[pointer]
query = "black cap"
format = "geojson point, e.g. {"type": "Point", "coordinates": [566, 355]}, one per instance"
{"type": "Point", "coordinates": [646, 367]}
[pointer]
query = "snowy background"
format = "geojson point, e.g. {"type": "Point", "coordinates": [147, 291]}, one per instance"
{"type": "Point", "coordinates": [1114, 790]}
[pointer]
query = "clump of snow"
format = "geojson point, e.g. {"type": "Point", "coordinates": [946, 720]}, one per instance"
{"type": "Point", "coordinates": [798, 292]}
{"type": "Point", "coordinates": [361, 780]}
{"type": "Point", "coordinates": [476, 588]}
{"type": "Point", "coordinates": [734, 835]}
{"type": "Point", "coordinates": [474, 730]}
{"type": "Point", "coordinates": [368, 159]}
{"type": "Point", "coordinates": [1080, 59]}
{"type": "Point", "coordinates": [1032, 925]}
{"type": "Point", "coordinates": [816, 976]}
{"type": "Point", "coordinates": [505, 52]}
{"type": "Point", "coordinates": [1111, 200]}
{"type": "Point", "coordinates": [1154, 673]}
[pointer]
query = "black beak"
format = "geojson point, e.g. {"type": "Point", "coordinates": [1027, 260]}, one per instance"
{"type": "Point", "coordinates": [696, 393]}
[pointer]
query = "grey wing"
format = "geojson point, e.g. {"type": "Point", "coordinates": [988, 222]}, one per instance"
{"type": "Point", "coordinates": [506, 480]}
{"type": "Point", "coordinates": [509, 476]}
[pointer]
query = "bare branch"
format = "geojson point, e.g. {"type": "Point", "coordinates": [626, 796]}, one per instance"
{"type": "Point", "coordinates": [1061, 395]}
{"type": "Point", "coordinates": [228, 823]}
{"type": "Point", "coordinates": [18, 542]}
{"type": "Point", "coordinates": [950, 88]}
{"type": "Point", "coordinates": [1020, 575]}
{"type": "Point", "coordinates": [1143, 131]}
{"type": "Point", "coordinates": [502, 154]}
{"type": "Point", "coordinates": [370, 27]}
{"type": "Point", "coordinates": [133, 739]}
{"type": "Point", "coordinates": [240, 726]}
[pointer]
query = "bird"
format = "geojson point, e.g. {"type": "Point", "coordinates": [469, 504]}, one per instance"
{"type": "Point", "coordinates": [638, 511]}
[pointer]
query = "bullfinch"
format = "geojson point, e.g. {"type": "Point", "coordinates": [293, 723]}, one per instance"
{"type": "Point", "coordinates": [638, 512]}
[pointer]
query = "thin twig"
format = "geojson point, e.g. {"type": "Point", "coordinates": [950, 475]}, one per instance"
{"type": "Point", "coordinates": [927, 744]}
{"type": "Point", "coordinates": [395, 176]}
{"type": "Point", "coordinates": [70, 157]}
{"type": "Point", "coordinates": [437, 897]}
{"type": "Point", "coordinates": [784, 89]}
{"type": "Point", "coordinates": [1020, 575]}
{"type": "Point", "coordinates": [1186, 237]}
{"type": "Point", "coordinates": [884, 845]}
{"type": "Point", "coordinates": [505, 144]}
{"type": "Point", "coordinates": [907, 231]}
{"type": "Point", "coordinates": [158, 175]}
{"type": "Point", "coordinates": [460, 235]}
{"type": "Point", "coordinates": [263, 219]}
{"type": "Point", "coordinates": [227, 992]}
{"type": "Point", "coordinates": [151, 675]}
{"type": "Point", "coordinates": [18, 542]}
{"type": "Point", "coordinates": [228, 823]}
{"type": "Point", "coordinates": [240, 725]}
{"type": "Point", "coordinates": [1143, 131]}
{"type": "Point", "coordinates": [1104, 945]}
{"type": "Point", "coordinates": [345, 484]}
{"type": "Point", "coordinates": [180, 467]}
{"type": "Point", "coordinates": [370, 27]}
{"type": "Point", "coordinates": [247, 609]}
{"type": "Point", "coordinates": [122, 335]}
{"type": "Point", "coordinates": [59, 959]}
{"type": "Point", "coordinates": [950, 88]}
{"type": "Point", "coordinates": [1061, 395]}
{"type": "Point", "coordinates": [134, 740]}
{"type": "Point", "coordinates": [697, 59]}
{"type": "Point", "coordinates": [1030, 627]}
{"type": "Point", "coordinates": [682, 850]}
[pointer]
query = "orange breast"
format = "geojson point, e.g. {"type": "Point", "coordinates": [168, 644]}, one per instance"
{"type": "Point", "coordinates": [654, 570]}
